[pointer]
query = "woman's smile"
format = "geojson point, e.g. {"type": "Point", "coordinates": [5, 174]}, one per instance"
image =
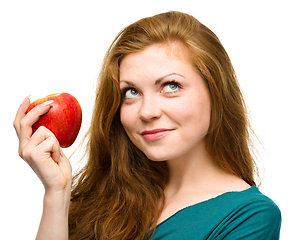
{"type": "Point", "coordinates": [156, 134]}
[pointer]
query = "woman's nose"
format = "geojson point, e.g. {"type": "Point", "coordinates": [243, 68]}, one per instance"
{"type": "Point", "coordinates": [150, 109]}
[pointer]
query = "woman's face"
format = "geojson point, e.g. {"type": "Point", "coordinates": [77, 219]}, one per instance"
{"type": "Point", "coordinates": [166, 104]}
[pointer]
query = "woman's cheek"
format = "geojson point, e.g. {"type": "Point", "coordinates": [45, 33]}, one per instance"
{"type": "Point", "coordinates": [127, 117]}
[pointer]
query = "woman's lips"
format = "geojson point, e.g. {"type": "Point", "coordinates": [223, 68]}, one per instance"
{"type": "Point", "coordinates": [155, 134]}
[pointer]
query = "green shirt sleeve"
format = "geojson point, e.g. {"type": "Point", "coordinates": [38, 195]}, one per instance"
{"type": "Point", "coordinates": [257, 220]}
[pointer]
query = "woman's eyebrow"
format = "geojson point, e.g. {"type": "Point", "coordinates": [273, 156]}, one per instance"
{"type": "Point", "coordinates": [161, 78]}
{"type": "Point", "coordinates": [156, 82]}
{"type": "Point", "coordinates": [128, 82]}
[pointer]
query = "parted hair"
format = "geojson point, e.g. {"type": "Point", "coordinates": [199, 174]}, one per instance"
{"type": "Point", "coordinates": [119, 194]}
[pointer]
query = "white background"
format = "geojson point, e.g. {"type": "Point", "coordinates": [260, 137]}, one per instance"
{"type": "Point", "coordinates": [54, 46]}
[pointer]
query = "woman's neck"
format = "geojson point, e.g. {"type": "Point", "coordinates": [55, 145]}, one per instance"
{"type": "Point", "coordinates": [196, 171]}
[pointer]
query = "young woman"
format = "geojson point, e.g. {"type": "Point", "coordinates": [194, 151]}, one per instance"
{"type": "Point", "coordinates": [169, 154]}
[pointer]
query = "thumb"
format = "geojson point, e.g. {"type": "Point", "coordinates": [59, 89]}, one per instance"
{"type": "Point", "coordinates": [65, 165]}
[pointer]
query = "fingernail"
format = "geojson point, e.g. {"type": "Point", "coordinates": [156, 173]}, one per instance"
{"type": "Point", "coordinates": [47, 103]}
{"type": "Point", "coordinates": [26, 98]}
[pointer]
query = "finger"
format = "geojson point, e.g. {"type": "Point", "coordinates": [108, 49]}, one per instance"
{"type": "Point", "coordinates": [51, 145]}
{"type": "Point", "coordinates": [40, 135]}
{"type": "Point", "coordinates": [66, 168]}
{"type": "Point", "coordinates": [61, 152]}
{"type": "Point", "coordinates": [30, 118]}
{"type": "Point", "coordinates": [21, 112]}
{"type": "Point", "coordinates": [64, 162]}
{"type": "Point", "coordinates": [44, 160]}
{"type": "Point", "coordinates": [43, 155]}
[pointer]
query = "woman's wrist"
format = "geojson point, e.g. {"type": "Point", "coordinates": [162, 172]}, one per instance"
{"type": "Point", "coordinates": [54, 222]}
{"type": "Point", "coordinates": [57, 199]}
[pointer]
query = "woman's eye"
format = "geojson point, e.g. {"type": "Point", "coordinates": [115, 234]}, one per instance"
{"type": "Point", "coordinates": [130, 93]}
{"type": "Point", "coordinates": [170, 87]}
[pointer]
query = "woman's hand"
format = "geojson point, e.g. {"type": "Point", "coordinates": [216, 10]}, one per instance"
{"type": "Point", "coordinates": [41, 150]}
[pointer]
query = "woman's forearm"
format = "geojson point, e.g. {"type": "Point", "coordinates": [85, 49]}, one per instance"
{"type": "Point", "coordinates": [54, 221]}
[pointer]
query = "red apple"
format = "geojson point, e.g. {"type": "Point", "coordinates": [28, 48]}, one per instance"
{"type": "Point", "coordinates": [63, 118]}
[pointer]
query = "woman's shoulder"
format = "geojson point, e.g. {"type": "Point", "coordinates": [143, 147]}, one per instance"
{"type": "Point", "coordinates": [251, 213]}
{"type": "Point", "coordinates": [247, 203]}
{"type": "Point", "coordinates": [239, 196]}
{"type": "Point", "coordinates": [232, 215]}
{"type": "Point", "coordinates": [252, 197]}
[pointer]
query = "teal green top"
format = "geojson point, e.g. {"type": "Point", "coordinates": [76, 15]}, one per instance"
{"type": "Point", "coordinates": [245, 215]}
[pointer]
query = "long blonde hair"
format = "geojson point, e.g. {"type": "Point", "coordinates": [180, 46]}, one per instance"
{"type": "Point", "coordinates": [117, 194]}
